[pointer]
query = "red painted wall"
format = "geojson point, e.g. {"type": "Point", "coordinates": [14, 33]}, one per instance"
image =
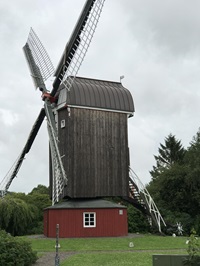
{"type": "Point", "coordinates": [108, 223]}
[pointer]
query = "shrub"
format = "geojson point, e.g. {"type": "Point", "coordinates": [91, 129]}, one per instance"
{"type": "Point", "coordinates": [137, 222]}
{"type": "Point", "coordinates": [193, 250]}
{"type": "Point", "coordinates": [15, 251]}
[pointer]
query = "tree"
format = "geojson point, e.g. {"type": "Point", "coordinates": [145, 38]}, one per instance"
{"type": "Point", "coordinates": [192, 160]}
{"type": "Point", "coordinates": [15, 215]}
{"type": "Point", "coordinates": [172, 189]}
{"type": "Point", "coordinates": [39, 197]}
{"type": "Point", "coordinates": [175, 184]}
{"type": "Point", "coordinates": [40, 189]}
{"type": "Point", "coordinates": [41, 201]}
{"type": "Point", "coordinates": [17, 206]}
{"type": "Point", "coordinates": [193, 152]}
{"type": "Point", "coordinates": [169, 153]}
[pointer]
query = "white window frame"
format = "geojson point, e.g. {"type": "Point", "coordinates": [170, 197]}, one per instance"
{"type": "Point", "coordinates": [91, 222]}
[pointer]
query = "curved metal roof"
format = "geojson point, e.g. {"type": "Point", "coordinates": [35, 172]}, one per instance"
{"type": "Point", "coordinates": [98, 94]}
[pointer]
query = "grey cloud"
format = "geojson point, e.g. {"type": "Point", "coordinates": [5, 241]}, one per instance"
{"type": "Point", "coordinates": [173, 25]}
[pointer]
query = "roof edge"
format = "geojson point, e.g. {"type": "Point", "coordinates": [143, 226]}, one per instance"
{"type": "Point", "coordinates": [86, 204]}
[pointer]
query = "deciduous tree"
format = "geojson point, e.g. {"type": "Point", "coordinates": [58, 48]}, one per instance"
{"type": "Point", "coordinates": [15, 215]}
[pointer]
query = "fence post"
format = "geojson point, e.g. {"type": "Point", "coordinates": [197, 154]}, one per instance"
{"type": "Point", "coordinates": [57, 259]}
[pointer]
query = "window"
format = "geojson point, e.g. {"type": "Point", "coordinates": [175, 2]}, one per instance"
{"type": "Point", "coordinates": [89, 219]}
{"type": "Point", "coordinates": [62, 123]}
{"type": "Point", "coordinates": [120, 212]}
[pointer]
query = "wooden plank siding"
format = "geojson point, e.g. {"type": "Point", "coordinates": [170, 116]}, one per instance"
{"type": "Point", "coordinates": [94, 146]}
{"type": "Point", "coordinates": [109, 223]}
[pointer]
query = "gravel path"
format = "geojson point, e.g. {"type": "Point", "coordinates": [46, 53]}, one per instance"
{"type": "Point", "coordinates": [48, 258]}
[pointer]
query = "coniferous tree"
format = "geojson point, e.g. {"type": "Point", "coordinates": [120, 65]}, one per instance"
{"type": "Point", "coordinates": [192, 161]}
{"type": "Point", "coordinates": [170, 152]}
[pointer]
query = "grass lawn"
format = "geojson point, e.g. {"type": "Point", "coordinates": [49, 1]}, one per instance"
{"type": "Point", "coordinates": [113, 251]}
{"type": "Point", "coordinates": [114, 259]}
{"type": "Point", "coordinates": [147, 242]}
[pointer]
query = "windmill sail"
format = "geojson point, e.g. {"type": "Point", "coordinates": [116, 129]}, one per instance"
{"type": "Point", "coordinates": [6, 182]}
{"type": "Point", "coordinates": [38, 60]}
{"type": "Point", "coordinates": [41, 69]}
{"type": "Point", "coordinates": [78, 44]}
{"type": "Point", "coordinates": [34, 69]}
{"type": "Point", "coordinates": [59, 176]}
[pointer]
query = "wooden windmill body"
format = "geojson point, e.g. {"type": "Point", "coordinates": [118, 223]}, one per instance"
{"type": "Point", "coordinates": [93, 138]}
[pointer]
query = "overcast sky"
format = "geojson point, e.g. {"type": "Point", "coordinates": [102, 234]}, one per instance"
{"type": "Point", "coordinates": [154, 44]}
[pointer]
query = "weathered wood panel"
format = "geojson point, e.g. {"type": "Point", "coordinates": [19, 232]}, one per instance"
{"type": "Point", "coordinates": [95, 148]}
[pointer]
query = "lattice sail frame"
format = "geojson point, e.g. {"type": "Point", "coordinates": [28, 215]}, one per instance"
{"type": "Point", "coordinates": [152, 208]}
{"type": "Point", "coordinates": [70, 71]}
{"type": "Point", "coordinates": [41, 69]}
{"type": "Point", "coordinates": [59, 175]}
{"type": "Point", "coordinates": [38, 59]}
{"type": "Point", "coordinates": [5, 183]}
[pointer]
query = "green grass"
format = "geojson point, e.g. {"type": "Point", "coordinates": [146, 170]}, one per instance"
{"type": "Point", "coordinates": [113, 251]}
{"type": "Point", "coordinates": [147, 242]}
{"type": "Point", "coordinates": [114, 259]}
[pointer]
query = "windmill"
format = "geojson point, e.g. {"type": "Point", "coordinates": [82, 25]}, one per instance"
{"type": "Point", "coordinates": [87, 125]}
{"type": "Point", "coordinates": [41, 69]}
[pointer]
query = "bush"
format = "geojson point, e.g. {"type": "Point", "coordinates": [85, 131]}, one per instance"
{"type": "Point", "coordinates": [15, 251]}
{"type": "Point", "coordinates": [137, 222]}
{"type": "Point", "coordinates": [193, 250]}
{"type": "Point", "coordinates": [197, 224]}
{"type": "Point", "coordinates": [36, 230]}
